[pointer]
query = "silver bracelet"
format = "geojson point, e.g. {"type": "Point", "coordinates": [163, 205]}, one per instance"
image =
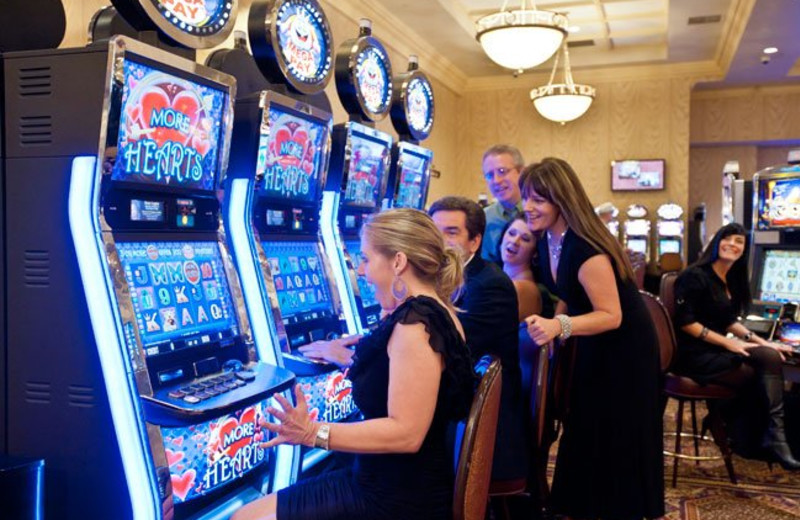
{"type": "Point", "coordinates": [566, 326]}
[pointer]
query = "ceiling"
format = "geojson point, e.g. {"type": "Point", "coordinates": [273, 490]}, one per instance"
{"type": "Point", "coordinates": [618, 33]}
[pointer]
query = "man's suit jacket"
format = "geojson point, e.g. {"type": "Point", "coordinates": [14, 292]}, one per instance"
{"type": "Point", "coordinates": [489, 318]}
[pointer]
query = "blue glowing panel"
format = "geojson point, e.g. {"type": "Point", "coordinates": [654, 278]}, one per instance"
{"type": "Point", "coordinates": [780, 276]}
{"type": "Point", "coordinates": [290, 156]}
{"type": "Point", "coordinates": [169, 130]}
{"type": "Point", "coordinates": [299, 277]}
{"type": "Point", "coordinates": [367, 169]}
{"type": "Point", "coordinates": [366, 289]}
{"type": "Point", "coordinates": [202, 457]}
{"type": "Point", "coordinates": [180, 293]}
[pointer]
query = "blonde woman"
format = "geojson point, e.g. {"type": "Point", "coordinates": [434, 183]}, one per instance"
{"type": "Point", "coordinates": [411, 377]}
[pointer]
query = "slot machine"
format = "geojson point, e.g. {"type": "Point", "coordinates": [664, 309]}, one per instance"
{"type": "Point", "coordinates": [132, 369]}
{"type": "Point", "coordinates": [279, 157]}
{"type": "Point", "coordinates": [669, 230]}
{"type": "Point", "coordinates": [637, 230]}
{"type": "Point", "coordinates": [609, 214]}
{"type": "Point", "coordinates": [730, 173]}
{"type": "Point", "coordinates": [775, 250]}
{"type": "Point", "coordinates": [412, 115]}
{"type": "Point", "coordinates": [359, 169]}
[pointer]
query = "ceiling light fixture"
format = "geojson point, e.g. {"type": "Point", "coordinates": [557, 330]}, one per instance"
{"type": "Point", "coordinates": [770, 50]}
{"type": "Point", "coordinates": [562, 102]}
{"type": "Point", "coordinates": [521, 39]}
{"type": "Point", "coordinates": [574, 29]}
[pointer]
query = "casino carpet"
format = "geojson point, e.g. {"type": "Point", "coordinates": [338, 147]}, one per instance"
{"type": "Point", "coordinates": [704, 491]}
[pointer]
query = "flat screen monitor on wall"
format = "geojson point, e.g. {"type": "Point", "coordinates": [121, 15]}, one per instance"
{"type": "Point", "coordinates": [637, 175]}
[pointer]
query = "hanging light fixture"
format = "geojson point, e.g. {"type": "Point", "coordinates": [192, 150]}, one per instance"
{"type": "Point", "coordinates": [521, 39]}
{"type": "Point", "coordinates": [562, 102]}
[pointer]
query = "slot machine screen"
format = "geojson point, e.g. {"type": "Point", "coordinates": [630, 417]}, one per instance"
{"type": "Point", "coordinates": [368, 161]}
{"type": "Point", "coordinates": [180, 293]}
{"type": "Point", "coordinates": [669, 245]}
{"type": "Point", "coordinates": [637, 245]}
{"type": "Point", "coordinates": [299, 277]}
{"type": "Point", "coordinates": [780, 276]}
{"type": "Point", "coordinates": [638, 227]}
{"type": "Point", "coordinates": [366, 289]}
{"type": "Point", "coordinates": [290, 155]}
{"type": "Point", "coordinates": [671, 228]}
{"type": "Point", "coordinates": [414, 167]}
{"type": "Point", "coordinates": [637, 175]}
{"type": "Point", "coordinates": [171, 127]}
{"type": "Point", "coordinates": [207, 455]}
{"type": "Point", "coordinates": [778, 203]}
{"type": "Point", "coordinates": [789, 334]}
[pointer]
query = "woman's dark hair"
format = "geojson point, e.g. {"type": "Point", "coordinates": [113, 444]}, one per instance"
{"type": "Point", "coordinates": [499, 247]}
{"type": "Point", "coordinates": [737, 279]}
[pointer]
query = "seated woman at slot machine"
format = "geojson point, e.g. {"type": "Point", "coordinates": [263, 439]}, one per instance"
{"type": "Point", "coordinates": [710, 295]}
{"type": "Point", "coordinates": [412, 376]}
{"type": "Point", "coordinates": [516, 252]}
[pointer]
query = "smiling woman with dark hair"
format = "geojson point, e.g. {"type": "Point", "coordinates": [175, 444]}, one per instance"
{"type": "Point", "coordinates": [710, 295]}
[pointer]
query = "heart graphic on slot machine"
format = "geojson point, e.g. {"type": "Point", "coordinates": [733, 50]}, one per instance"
{"type": "Point", "coordinates": [291, 142]}
{"type": "Point", "coordinates": [338, 387]}
{"type": "Point", "coordinates": [234, 434]}
{"type": "Point", "coordinates": [163, 119]}
{"type": "Point", "coordinates": [173, 457]}
{"type": "Point", "coordinates": [182, 484]}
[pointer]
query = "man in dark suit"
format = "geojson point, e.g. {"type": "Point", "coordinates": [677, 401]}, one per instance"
{"type": "Point", "coordinates": [489, 302]}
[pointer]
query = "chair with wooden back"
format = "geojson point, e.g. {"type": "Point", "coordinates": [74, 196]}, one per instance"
{"type": "Point", "coordinates": [474, 470]}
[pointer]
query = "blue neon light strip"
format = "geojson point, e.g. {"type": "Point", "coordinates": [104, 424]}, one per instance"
{"type": "Point", "coordinates": [238, 216]}
{"type": "Point", "coordinates": [314, 457]}
{"type": "Point", "coordinates": [110, 345]}
{"type": "Point", "coordinates": [327, 221]}
{"type": "Point", "coordinates": [240, 198]}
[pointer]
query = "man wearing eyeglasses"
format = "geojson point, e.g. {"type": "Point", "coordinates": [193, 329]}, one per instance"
{"type": "Point", "coordinates": [501, 166]}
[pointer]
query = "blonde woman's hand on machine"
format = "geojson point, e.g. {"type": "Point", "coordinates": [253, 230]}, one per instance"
{"type": "Point", "coordinates": [295, 427]}
{"type": "Point", "coordinates": [335, 351]}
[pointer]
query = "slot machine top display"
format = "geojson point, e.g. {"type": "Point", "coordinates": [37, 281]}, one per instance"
{"type": "Point", "coordinates": [412, 113]}
{"type": "Point", "coordinates": [776, 198]}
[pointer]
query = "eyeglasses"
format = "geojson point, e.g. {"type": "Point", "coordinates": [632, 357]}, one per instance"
{"type": "Point", "coordinates": [499, 172]}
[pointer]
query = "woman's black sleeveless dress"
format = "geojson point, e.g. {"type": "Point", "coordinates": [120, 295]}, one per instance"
{"type": "Point", "coordinates": [610, 462]}
{"type": "Point", "coordinates": [394, 486]}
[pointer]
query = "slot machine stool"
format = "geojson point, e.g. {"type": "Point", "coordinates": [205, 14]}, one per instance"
{"type": "Point", "coordinates": [684, 389]}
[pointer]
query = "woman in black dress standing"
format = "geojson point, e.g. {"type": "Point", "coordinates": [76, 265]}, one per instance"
{"type": "Point", "coordinates": [610, 462]}
{"type": "Point", "coordinates": [411, 377]}
{"type": "Point", "coordinates": [710, 296]}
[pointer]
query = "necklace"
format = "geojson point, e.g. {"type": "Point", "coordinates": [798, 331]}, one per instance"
{"type": "Point", "coordinates": [555, 245]}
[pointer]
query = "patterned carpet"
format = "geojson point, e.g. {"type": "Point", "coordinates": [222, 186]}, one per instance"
{"type": "Point", "coordinates": [704, 491]}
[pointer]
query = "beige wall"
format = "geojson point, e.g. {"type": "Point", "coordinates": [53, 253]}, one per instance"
{"type": "Point", "coordinates": [344, 26]}
{"type": "Point", "coordinates": [738, 124]}
{"type": "Point", "coordinates": [628, 120]}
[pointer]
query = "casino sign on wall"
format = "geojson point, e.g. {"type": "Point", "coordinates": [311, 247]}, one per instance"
{"type": "Point", "coordinates": [198, 24]}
